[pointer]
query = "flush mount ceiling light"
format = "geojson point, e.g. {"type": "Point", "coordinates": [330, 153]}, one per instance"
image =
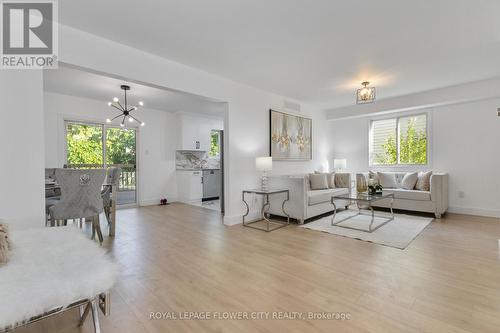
{"type": "Point", "coordinates": [124, 109]}
{"type": "Point", "coordinates": [365, 94]}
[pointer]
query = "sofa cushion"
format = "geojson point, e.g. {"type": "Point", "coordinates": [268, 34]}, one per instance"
{"type": "Point", "coordinates": [400, 193]}
{"type": "Point", "coordinates": [322, 196]}
{"type": "Point", "coordinates": [387, 179]}
{"type": "Point", "coordinates": [409, 181]}
{"type": "Point", "coordinates": [318, 181]}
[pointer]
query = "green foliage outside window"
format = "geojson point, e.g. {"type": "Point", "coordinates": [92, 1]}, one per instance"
{"type": "Point", "coordinates": [412, 147]}
{"type": "Point", "coordinates": [84, 145]}
{"type": "Point", "coordinates": [214, 144]}
{"type": "Point", "coordinates": [120, 146]}
{"type": "Point", "coordinates": [390, 155]}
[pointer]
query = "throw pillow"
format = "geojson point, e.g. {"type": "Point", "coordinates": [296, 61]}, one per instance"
{"type": "Point", "coordinates": [373, 175]}
{"type": "Point", "coordinates": [318, 181]}
{"type": "Point", "coordinates": [330, 178]}
{"type": "Point", "coordinates": [409, 181]}
{"type": "Point", "coordinates": [387, 180]}
{"type": "Point", "coordinates": [424, 181]}
{"type": "Point", "coordinates": [4, 244]}
{"type": "Point", "coordinates": [342, 180]}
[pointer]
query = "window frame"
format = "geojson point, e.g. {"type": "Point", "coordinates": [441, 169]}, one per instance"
{"type": "Point", "coordinates": [399, 165]}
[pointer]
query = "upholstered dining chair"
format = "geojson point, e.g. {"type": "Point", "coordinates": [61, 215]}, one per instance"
{"type": "Point", "coordinates": [112, 180]}
{"type": "Point", "coordinates": [50, 173]}
{"type": "Point", "coordinates": [80, 197]}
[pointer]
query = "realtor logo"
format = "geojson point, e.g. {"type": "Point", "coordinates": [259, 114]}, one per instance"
{"type": "Point", "coordinates": [29, 34]}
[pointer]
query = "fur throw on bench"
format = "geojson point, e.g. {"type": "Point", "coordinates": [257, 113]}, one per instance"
{"type": "Point", "coordinates": [49, 268]}
{"type": "Point", "coordinates": [4, 243]}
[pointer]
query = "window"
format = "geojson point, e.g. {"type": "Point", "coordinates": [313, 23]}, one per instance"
{"type": "Point", "coordinates": [84, 144]}
{"type": "Point", "coordinates": [399, 141]}
{"type": "Point", "coordinates": [214, 143]}
{"type": "Point", "coordinates": [90, 145]}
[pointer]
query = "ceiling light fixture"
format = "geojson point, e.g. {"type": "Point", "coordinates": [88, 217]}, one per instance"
{"type": "Point", "coordinates": [124, 109]}
{"type": "Point", "coordinates": [365, 94]}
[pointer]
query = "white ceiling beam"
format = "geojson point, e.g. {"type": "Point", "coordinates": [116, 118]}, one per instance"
{"type": "Point", "coordinates": [464, 93]}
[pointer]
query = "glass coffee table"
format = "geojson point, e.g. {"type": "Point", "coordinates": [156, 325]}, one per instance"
{"type": "Point", "coordinates": [364, 203]}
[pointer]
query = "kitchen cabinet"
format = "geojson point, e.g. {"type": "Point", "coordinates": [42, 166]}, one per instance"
{"type": "Point", "coordinates": [193, 133]}
{"type": "Point", "coordinates": [189, 185]}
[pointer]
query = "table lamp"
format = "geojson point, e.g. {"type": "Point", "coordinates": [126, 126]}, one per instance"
{"type": "Point", "coordinates": [339, 164]}
{"type": "Point", "coordinates": [264, 164]}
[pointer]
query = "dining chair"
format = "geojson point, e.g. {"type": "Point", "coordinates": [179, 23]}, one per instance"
{"type": "Point", "coordinates": [80, 197]}
{"type": "Point", "coordinates": [50, 173]}
{"type": "Point", "coordinates": [50, 190]}
{"type": "Point", "coordinates": [52, 193]}
{"type": "Point", "coordinates": [112, 180]}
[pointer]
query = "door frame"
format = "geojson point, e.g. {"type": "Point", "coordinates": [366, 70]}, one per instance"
{"type": "Point", "coordinates": [105, 126]}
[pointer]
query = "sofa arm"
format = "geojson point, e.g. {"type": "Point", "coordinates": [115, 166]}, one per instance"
{"type": "Point", "coordinates": [297, 187]}
{"type": "Point", "coordinates": [439, 192]}
{"type": "Point", "coordinates": [343, 180]}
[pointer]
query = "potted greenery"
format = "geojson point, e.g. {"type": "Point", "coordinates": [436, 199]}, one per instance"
{"type": "Point", "coordinates": [375, 189]}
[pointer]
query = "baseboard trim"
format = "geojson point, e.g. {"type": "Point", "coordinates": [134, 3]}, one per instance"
{"type": "Point", "coordinates": [237, 219]}
{"type": "Point", "coordinates": [475, 211]}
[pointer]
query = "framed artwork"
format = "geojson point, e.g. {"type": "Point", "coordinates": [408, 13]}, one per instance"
{"type": "Point", "coordinates": [290, 137]}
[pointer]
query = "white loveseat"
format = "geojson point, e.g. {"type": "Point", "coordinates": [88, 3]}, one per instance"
{"type": "Point", "coordinates": [433, 201]}
{"type": "Point", "coordinates": [305, 203]}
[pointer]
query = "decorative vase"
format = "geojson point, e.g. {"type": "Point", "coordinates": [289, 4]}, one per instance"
{"type": "Point", "coordinates": [361, 184]}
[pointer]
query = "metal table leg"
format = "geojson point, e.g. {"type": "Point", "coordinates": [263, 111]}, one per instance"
{"type": "Point", "coordinates": [264, 214]}
{"type": "Point", "coordinates": [114, 196]}
{"type": "Point", "coordinates": [246, 205]}
{"type": "Point", "coordinates": [372, 214]}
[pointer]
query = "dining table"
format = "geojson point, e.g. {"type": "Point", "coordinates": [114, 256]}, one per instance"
{"type": "Point", "coordinates": [51, 187]}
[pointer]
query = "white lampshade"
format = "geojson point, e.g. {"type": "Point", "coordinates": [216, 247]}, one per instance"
{"type": "Point", "coordinates": [340, 163]}
{"type": "Point", "coordinates": [264, 163]}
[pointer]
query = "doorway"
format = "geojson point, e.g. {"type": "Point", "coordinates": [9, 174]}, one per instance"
{"type": "Point", "coordinates": [213, 178]}
{"type": "Point", "coordinates": [94, 145]}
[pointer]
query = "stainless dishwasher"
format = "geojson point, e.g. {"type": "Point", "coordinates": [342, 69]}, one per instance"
{"type": "Point", "coordinates": [211, 184]}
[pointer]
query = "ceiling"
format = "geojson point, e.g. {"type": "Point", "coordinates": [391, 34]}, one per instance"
{"type": "Point", "coordinates": [315, 51]}
{"type": "Point", "coordinates": [76, 82]}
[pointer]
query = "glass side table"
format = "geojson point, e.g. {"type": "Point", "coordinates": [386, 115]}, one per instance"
{"type": "Point", "coordinates": [265, 209]}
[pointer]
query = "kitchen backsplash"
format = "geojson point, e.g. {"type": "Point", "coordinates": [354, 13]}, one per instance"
{"type": "Point", "coordinates": [189, 160]}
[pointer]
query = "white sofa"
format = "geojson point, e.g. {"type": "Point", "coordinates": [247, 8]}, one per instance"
{"type": "Point", "coordinates": [305, 203]}
{"type": "Point", "coordinates": [434, 201]}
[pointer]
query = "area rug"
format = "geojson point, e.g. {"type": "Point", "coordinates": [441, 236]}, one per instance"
{"type": "Point", "coordinates": [398, 233]}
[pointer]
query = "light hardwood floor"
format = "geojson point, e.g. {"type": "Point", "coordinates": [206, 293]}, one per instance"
{"type": "Point", "coordinates": [181, 258]}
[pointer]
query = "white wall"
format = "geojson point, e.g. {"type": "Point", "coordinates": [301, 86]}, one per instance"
{"type": "Point", "coordinates": [21, 147]}
{"type": "Point", "coordinates": [465, 142]}
{"type": "Point", "coordinates": [156, 141]}
{"type": "Point", "coordinates": [246, 124]}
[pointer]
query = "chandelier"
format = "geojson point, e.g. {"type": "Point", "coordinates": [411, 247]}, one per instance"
{"type": "Point", "coordinates": [365, 94]}
{"type": "Point", "coordinates": [125, 109]}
